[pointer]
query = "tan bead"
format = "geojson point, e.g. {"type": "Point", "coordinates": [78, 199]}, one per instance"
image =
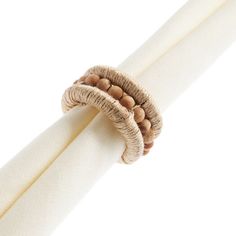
{"type": "Point", "coordinates": [115, 91]}
{"type": "Point", "coordinates": [148, 145]}
{"type": "Point", "coordinates": [91, 79]}
{"type": "Point", "coordinates": [82, 78]}
{"type": "Point", "coordinates": [146, 151]}
{"type": "Point", "coordinates": [127, 102]}
{"type": "Point", "coordinates": [145, 126]}
{"type": "Point", "coordinates": [139, 114]}
{"type": "Point", "coordinates": [104, 84]}
{"type": "Point", "coordinates": [149, 136]}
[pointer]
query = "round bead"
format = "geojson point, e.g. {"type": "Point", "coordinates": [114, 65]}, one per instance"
{"type": "Point", "coordinates": [145, 126]}
{"type": "Point", "coordinates": [104, 84]}
{"type": "Point", "coordinates": [127, 102]}
{"type": "Point", "coordinates": [146, 151]}
{"type": "Point", "coordinates": [92, 80]}
{"type": "Point", "coordinates": [148, 145]}
{"type": "Point", "coordinates": [149, 136]}
{"type": "Point", "coordinates": [139, 114]}
{"type": "Point", "coordinates": [115, 91]}
{"type": "Point", "coordinates": [82, 78]}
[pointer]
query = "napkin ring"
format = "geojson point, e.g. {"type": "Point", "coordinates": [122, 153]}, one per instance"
{"type": "Point", "coordinates": [130, 108]}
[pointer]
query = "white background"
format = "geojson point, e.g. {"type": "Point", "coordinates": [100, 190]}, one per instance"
{"type": "Point", "coordinates": [186, 185]}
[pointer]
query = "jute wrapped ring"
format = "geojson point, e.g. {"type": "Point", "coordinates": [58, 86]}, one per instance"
{"type": "Point", "coordinates": [129, 107]}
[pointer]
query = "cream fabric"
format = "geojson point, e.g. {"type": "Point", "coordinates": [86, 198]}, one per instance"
{"type": "Point", "coordinates": [185, 21]}
{"type": "Point", "coordinates": [70, 170]}
{"type": "Point", "coordinates": [17, 175]}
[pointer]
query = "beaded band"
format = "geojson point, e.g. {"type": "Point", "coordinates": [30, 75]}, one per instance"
{"type": "Point", "coordinates": [126, 104]}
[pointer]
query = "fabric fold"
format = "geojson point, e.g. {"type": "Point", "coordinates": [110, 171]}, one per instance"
{"type": "Point", "coordinates": [179, 26]}
{"type": "Point", "coordinates": [19, 173]}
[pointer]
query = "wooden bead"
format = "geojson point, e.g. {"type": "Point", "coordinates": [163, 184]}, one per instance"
{"type": "Point", "coordinates": [91, 79]}
{"type": "Point", "coordinates": [139, 114]}
{"type": "Point", "coordinates": [82, 78]}
{"type": "Point", "coordinates": [146, 151]}
{"type": "Point", "coordinates": [104, 84]}
{"type": "Point", "coordinates": [149, 136]}
{"type": "Point", "coordinates": [145, 126]}
{"type": "Point", "coordinates": [115, 91]}
{"type": "Point", "coordinates": [148, 145]}
{"type": "Point", "coordinates": [127, 102]}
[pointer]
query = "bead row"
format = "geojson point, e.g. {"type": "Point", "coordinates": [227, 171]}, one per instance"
{"type": "Point", "coordinates": [125, 100]}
